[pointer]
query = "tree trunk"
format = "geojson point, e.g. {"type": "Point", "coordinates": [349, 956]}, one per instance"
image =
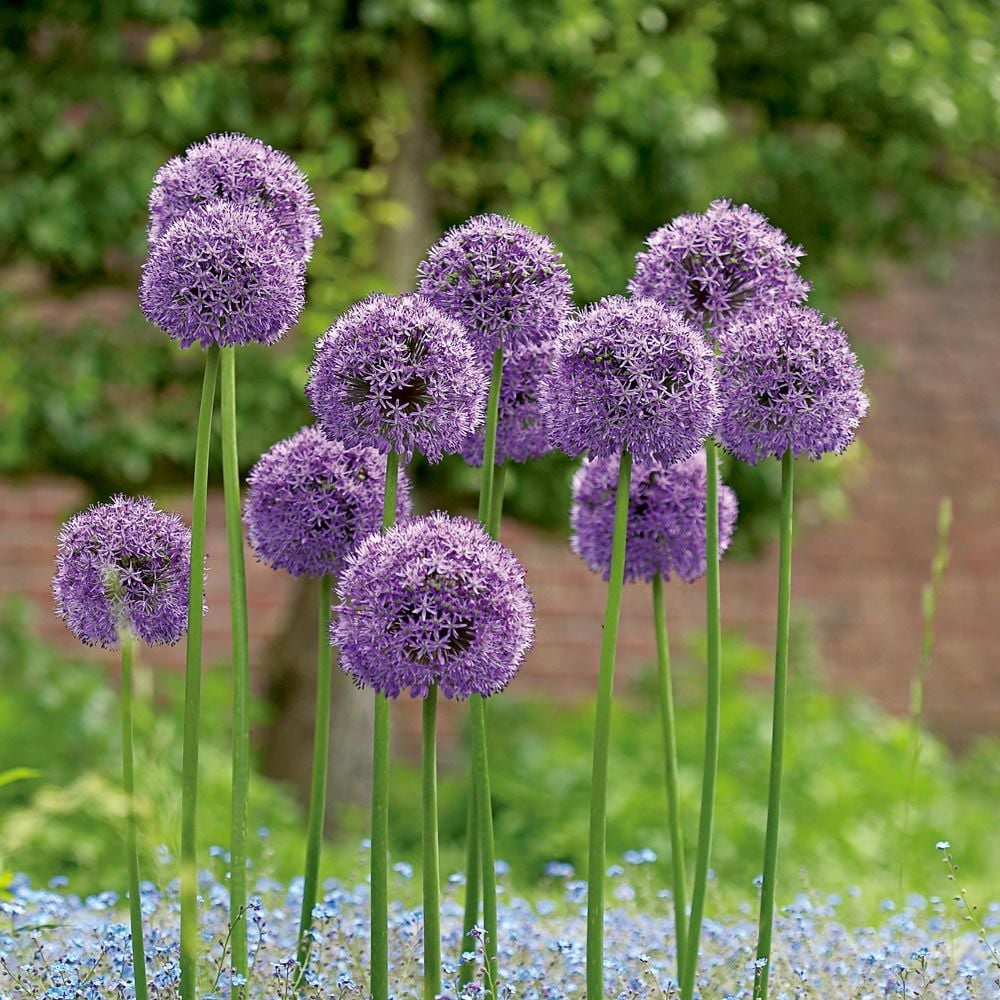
{"type": "Point", "coordinates": [289, 668]}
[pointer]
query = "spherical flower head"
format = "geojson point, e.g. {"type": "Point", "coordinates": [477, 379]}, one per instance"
{"type": "Point", "coordinates": [394, 373]}
{"type": "Point", "coordinates": [123, 566]}
{"type": "Point", "coordinates": [240, 171]}
{"type": "Point", "coordinates": [504, 282]}
{"type": "Point", "coordinates": [718, 264]}
{"type": "Point", "coordinates": [789, 381]}
{"type": "Point", "coordinates": [521, 431]}
{"type": "Point", "coordinates": [433, 600]}
{"type": "Point", "coordinates": [630, 376]}
{"type": "Point", "coordinates": [666, 517]}
{"type": "Point", "coordinates": [219, 276]}
{"type": "Point", "coordinates": [312, 500]}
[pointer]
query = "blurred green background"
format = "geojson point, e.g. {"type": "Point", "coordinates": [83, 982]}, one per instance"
{"type": "Point", "coordinates": [866, 130]}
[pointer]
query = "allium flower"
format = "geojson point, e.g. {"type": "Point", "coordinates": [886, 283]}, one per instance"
{"type": "Point", "coordinates": [240, 171]}
{"type": "Point", "coordinates": [312, 500]}
{"type": "Point", "coordinates": [504, 282]}
{"type": "Point", "coordinates": [789, 380]}
{"type": "Point", "coordinates": [219, 276]}
{"type": "Point", "coordinates": [629, 375]}
{"type": "Point", "coordinates": [716, 265]}
{"type": "Point", "coordinates": [434, 600]}
{"type": "Point", "coordinates": [123, 565]}
{"type": "Point", "coordinates": [521, 432]}
{"type": "Point", "coordinates": [394, 373]}
{"type": "Point", "coordinates": [666, 518]}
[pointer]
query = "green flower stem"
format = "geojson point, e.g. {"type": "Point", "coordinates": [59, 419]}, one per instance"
{"type": "Point", "coordinates": [473, 878]}
{"type": "Point", "coordinates": [380, 794]}
{"type": "Point", "coordinates": [496, 500]}
{"type": "Point", "coordinates": [192, 685]}
{"type": "Point", "coordinates": [777, 733]}
{"type": "Point", "coordinates": [320, 763]}
{"type": "Point", "coordinates": [431, 865]}
{"type": "Point", "coordinates": [480, 864]}
{"type": "Point", "coordinates": [490, 439]}
{"type": "Point", "coordinates": [712, 711]}
{"type": "Point", "coordinates": [487, 849]}
{"type": "Point", "coordinates": [241, 670]}
{"type": "Point", "coordinates": [602, 736]}
{"type": "Point", "coordinates": [670, 758]}
{"type": "Point", "coordinates": [131, 834]}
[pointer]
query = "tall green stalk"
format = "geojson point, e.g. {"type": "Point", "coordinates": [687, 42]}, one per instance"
{"type": "Point", "coordinates": [431, 865]}
{"type": "Point", "coordinates": [241, 672]}
{"type": "Point", "coordinates": [472, 847]}
{"type": "Point", "coordinates": [777, 734]}
{"type": "Point", "coordinates": [473, 880]}
{"type": "Point", "coordinates": [192, 684]}
{"type": "Point", "coordinates": [482, 868]}
{"type": "Point", "coordinates": [131, 833]}
{"type": "Point", "coordinates": [320, 763]}
{"type": "Point", "coordinates": [380, 794]}
{"type": "Point", "coordinates": [666, 692]}
{"type": "Point", "coordinates": [712, 714]}
{"type": "Point", "coordinates": [602, 737]}
{"type": "Point", "coordinates": [487, 848]}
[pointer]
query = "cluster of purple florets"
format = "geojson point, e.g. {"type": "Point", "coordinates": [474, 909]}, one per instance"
{"type": "Point", "coordinates": [122, 569]}
{"type": "Point", "coordinates": [231, 226]}
{"type": "Point", "coordinates": [434, 600]}
{"type": "Point", "coordinates": [236, 170]}
{"type": "Point", "coordinates": [666, 518]}
{"type": "Point", "coordinates": [505, 283]}
{"type": "Point", "coordinates": [716, 266]}
{"type": "Point", "coordinates": [789, 381]}
{"type": "Point", "coordinates": [311, 500]}
{"type": "Point", "coordinates": [219, 276]}
{"type": "Point", "coordinates": [630, 376]}
{"type": "Point", "coordinates": [396, 374]}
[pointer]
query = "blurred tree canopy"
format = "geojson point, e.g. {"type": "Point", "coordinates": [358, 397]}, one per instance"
{"type": "Point", "coordinates": [862, 128]}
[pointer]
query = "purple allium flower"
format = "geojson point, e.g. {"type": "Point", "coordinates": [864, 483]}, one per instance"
{"type": "Point", "coordinates": [630, 376]}
{"type": "Point", "coordinates": [521, 431]}
{"type": "Point", "coordinates": [239, 171]}
{"type": "Point", "coordinates": [715, 265]}
{"type": "Point", "coordinates": [434, 600]}
{"type": "Point", "coordinates": [123, 565]}
{"type": "Point", "coordinates": [504, 282]}
{"type": "Point", "coordinates": [666, 518]}
{"type": "Point", "coordinates": [789, 380]}
{"type": "Point", "coordinates": [394, 373]}
{"type": "Point", "coordinates": [219, 276]}
{"type": "Point", "coordinates": [312, 500]}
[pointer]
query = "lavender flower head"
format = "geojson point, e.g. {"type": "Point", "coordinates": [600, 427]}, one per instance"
{"type": "Point", "coordinates": [521, 431]}
{"type": "Point", "coordinates": [666, 518]}
{"type": "Point", "coordinates": [394, 373]}
{"type": "Point", "coordinates": [240, 171]}
{"type": "Point", "coordinates": [219, 276]}
{"type": "Point", "coordinates": [790, 381]}
{"type": "Point", "coordinates": [433, 600]}
{"type": "Point", "coordinates": [504, 282]}
{"type": "Point", "coordinates": [716, 265]}
{"type": "Point", "coordinates": [312, 500]}
{"type": "Point", "coordinates": [630, 376]}
{"type": "Point", "coordinates": [123, 565]}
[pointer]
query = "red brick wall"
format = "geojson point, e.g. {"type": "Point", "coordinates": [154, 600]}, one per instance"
{"type": "Point", "coordinates": [934, 429]}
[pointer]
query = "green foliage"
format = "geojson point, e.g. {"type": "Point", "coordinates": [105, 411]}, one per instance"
{"type": "Point", "coordinates": [59, 717]}
{"type": "Point", "coordinates": [860, 128]}
{"type": "Point", "coordinates": [845, 820]}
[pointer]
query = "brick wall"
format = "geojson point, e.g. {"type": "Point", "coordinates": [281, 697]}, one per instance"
{"type": "Point", "coordinates": [934, 429]}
